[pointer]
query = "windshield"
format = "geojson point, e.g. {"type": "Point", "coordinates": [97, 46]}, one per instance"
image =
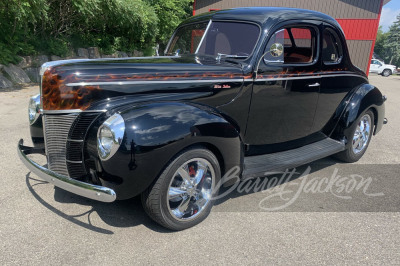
{"type": "Point", "coordinates": [231, 39]}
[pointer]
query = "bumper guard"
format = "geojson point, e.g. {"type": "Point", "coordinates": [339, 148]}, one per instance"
{"type": "Point", "coordinates": [83, 189]}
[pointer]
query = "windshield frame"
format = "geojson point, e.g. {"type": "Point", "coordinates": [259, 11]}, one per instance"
{"type": "Point", "coordinates": [210, 21]}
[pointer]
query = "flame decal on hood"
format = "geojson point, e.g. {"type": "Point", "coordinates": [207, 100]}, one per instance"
{"type": "Point", "coordinates": [56, 95]}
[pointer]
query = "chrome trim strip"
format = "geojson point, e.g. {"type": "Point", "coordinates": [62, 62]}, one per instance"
{"type": "Point", "coordinates": [75, 140]}
{"type": "Point", "coordinates": [287, 78]}
{"type": "Point", "coordinates": [87, 190]}
{"type": "Point", "coordinates": [68, 161]}
{"type": "Point", "coordinates": [346, 75]}
{"type": "Point", "coordinates": [204, 35]}
{"type": "Point", "coordinates": [146, 82]}
{"type": "Point", "coordinates": [71, 111]}
{"type": "Point", "coordinates": [143, 82]}
{"type": "Point", "coordinates": [311, 77]}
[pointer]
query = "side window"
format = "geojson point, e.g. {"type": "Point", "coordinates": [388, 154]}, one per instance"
{"type": "Point", "coordinates": [292, 45]}
{"type": "Point", "coordinates": [331, 47]}
{"type": "Point", "coordinates": [231, 38]}
{"type": "Point", "coordinates": [275, 48]}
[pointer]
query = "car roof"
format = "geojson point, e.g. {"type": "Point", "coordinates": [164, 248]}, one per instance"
{"type": "Point", "coordinates": [264, 16]}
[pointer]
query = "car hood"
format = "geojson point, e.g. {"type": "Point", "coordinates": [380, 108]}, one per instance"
{"type": "Point", "coordinates": [77, 84]}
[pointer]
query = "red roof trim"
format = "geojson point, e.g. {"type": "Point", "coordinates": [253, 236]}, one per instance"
{"type": "Point", "coordinates": [359, 29]}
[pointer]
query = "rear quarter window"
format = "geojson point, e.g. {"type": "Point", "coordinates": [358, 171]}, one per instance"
{"type": "Point", "coordinates": [331, 47]}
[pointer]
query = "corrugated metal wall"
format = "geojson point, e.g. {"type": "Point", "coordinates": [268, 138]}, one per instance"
{"type": "Point", "coordinates": [360, 30]}
{"type": "Point", "coordinates": [360, 52]}
{"type": "Point", "coordinates": [335, 8]}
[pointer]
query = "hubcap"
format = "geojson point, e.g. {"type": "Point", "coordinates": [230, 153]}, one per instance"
{"type": "Point", "coordinates": [191, 188]}
{"type": "Point", "coordinates": [362, 134]}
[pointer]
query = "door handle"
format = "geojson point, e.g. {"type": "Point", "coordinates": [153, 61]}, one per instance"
{"type": "Point", "coordinates": [316, 84]}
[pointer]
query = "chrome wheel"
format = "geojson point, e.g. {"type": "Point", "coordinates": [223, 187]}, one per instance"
{"type": "Point", "coordinates": [362, 134]}
{"type": "Point", "coordinates": [191, 189]}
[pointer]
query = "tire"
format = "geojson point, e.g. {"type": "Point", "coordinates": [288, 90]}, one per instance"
{"type": "Point", "coordinates": [387, 72]}
{"type": "Point", "coordinates": [182, 196]}
{"type": "Point", "coordinates": [355, 151]}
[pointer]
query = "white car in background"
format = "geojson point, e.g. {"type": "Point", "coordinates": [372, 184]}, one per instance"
{"type": "Point", "coordinates": [381, 68]}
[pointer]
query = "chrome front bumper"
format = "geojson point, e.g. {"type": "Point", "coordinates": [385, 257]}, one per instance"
{"type": "Point", "coordinates": [83, 189]}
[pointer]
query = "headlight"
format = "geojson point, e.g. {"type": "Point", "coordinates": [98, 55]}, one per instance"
{"type": "Point", "coordinates": [109, 136]}
{"type": "Point", "coordinates": [34, 108]}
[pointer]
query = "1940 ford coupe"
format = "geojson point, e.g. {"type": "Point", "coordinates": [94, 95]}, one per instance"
{"type": "Point", "coordinates": [259, 89]}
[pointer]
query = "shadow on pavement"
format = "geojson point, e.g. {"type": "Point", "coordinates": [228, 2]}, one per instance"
{"type": "Point", "coordinates": [126, 213]}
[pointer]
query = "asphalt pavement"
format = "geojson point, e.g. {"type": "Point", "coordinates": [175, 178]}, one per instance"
{"type": "Point", "coordinates": [329, 213]}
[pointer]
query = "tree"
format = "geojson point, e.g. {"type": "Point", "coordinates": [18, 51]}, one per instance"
{"type": "Point", "coordinates": [57, 27]}
{"type": "Point", "coordinates": [170, 14]}
{"type": "Point", "coordinates": [380, 41]}
{"type": "Point", "coordinates": [392, 42]}
{"type": "Point", "coordinates": [18, 18]}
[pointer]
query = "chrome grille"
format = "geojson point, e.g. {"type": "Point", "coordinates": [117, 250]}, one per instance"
{"type": "Point", "coordinates": [76, 145]}
{"type": "Point", "coordinates": [56, 130]}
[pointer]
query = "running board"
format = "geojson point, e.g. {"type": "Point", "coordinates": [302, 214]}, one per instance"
{"type": "Point", "coordinates": [256, 166]}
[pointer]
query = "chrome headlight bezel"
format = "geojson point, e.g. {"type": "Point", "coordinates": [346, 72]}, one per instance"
{"type": "Point", "coordinates": [34, 109]}
{"type": "Point", "coordinates": [115, 125]}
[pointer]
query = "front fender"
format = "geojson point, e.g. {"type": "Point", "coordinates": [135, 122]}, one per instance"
{"type": "Point", "coordinates": [365, 97]}
{"type": "Point", "coordinates": [155, 133]}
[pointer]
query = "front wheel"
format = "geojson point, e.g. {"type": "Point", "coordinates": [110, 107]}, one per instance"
{"type": "Point", "coordinates": [183, 194]}
{"type": "Point", "coordinates": [386, 73]}
{"type": "Point", "coordinates": [360, 138]}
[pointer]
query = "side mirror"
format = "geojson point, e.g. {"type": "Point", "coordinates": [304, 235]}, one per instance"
{"type": "Point", "coordinates": [274, 54]}
{"type": "Point", "coordinates": [276, 49]}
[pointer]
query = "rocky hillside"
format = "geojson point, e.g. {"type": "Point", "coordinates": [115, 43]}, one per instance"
{"type": "Point", "coordinates": [27, 71]}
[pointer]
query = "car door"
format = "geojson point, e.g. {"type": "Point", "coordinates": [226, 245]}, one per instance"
{"type": "Point", "coordinates": [285, 90]}
{"type": "Point", "coordinates": [379, 66]}
{"type": "Point", "coordinates": [337, 80]}
{"type": "Point", "coordinates": [374, 66]}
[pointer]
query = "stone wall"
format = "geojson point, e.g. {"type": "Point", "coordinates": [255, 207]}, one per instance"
{"type": "Point", "coordinates": [27, 70]}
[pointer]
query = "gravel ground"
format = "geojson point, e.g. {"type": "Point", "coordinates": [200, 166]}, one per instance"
{"type": "Point", "coordinates": [47, 226]}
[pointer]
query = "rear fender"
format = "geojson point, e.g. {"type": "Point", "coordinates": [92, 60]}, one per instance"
{"type": "Point", "coordinates": [362, 99]}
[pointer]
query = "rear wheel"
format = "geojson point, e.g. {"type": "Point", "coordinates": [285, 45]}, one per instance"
{"type": "Point", "coordinates": [360, 138]}
{"type": "Point", "coordinates": [183, 194]}
{"type": "Point", "coordinates": [386, 73]}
